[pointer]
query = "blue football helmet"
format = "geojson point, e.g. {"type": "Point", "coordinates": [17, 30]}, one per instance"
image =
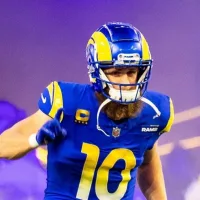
{"type": "Point", "coordinates": [118, 45]}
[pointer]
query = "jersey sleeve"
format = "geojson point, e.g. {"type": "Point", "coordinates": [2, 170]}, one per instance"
{"type": "Point", "coordinates": [51, 99]}
{"type": "Point", "coordinates": [165, 120]}
{"type": "Point", "coordinates": [169, 115]}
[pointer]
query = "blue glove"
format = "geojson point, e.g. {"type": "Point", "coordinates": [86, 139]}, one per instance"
{"type": "Point", "coordinates": [51, 130]}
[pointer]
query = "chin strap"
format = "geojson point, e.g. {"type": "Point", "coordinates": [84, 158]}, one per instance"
{"type": "Point", "coordinates": [147, 101]}
{"type": "Point", "coordinates": [158, 113]}
{"type": "Point", "coordinates": [98, 113]}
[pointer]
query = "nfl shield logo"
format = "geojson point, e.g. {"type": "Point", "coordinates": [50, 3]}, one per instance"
{"type": "Point", "coordinates": [116, 132]}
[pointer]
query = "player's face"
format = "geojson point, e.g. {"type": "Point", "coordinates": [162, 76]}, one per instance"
{"type": "Point", "coordinates": [122, 76]}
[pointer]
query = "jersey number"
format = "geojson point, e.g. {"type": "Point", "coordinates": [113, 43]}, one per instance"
{"type": "Point", "coordinates": [92, 152]}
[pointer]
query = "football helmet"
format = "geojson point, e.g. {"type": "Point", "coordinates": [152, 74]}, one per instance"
{"type": "Point", "coordinates": [118, 44]}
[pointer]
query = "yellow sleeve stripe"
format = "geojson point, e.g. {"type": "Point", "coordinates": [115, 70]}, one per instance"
{"type": "Point", "coordinates": [171, 118]}
{"type": "Point", "coordinates": [56, 99]}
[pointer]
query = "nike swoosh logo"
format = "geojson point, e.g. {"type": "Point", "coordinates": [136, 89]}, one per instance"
{"type": "Point", "coordinates": [44, 99]}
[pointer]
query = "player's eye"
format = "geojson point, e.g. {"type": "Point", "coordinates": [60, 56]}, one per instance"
{"type": "Point", "coordinates": [132, 72]}
{"type": "Point", "coordinates": [114, 73]}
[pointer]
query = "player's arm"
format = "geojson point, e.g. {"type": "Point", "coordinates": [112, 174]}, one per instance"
{"type": "Point", "coordinates": [38, 129]}
{"type": "Point", "coordinates": [14, 142]}
{"type": "Point", "coordinates": [150, 176]}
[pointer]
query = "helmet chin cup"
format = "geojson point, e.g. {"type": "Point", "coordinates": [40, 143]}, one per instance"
{"type": "Point", "coordinates": [124, 96]}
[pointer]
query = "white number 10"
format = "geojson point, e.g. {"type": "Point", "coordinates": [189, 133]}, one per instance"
{"type": "Point", "coordinates": [92, 152]}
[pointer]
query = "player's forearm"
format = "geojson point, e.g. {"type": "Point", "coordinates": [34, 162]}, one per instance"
{"type": "Point", "coordinates": [151, 180]}
{"type": "Point", "coordinates": [13, 145]}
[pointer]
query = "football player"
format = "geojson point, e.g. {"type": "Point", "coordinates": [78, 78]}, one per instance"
{"type": "Point", "coordinates": [101, 137]}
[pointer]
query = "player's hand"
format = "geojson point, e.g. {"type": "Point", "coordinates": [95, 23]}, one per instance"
{"type": "Point", "coordinates": [51, 130]}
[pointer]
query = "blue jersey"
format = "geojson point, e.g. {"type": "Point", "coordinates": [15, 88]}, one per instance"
{"type": "Point", "coordinates": [87, 164]}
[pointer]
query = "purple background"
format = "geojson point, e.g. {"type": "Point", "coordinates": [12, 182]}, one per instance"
{"type": "Point", "coordinates": [41, 41]}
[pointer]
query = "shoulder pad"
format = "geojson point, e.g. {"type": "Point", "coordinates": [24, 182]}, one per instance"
{"type": "Point", "coordinates": [51, 99]}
